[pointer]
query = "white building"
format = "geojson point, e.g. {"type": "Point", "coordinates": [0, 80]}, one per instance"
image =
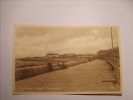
{"type": "Point", "coordinates": [52, 55]}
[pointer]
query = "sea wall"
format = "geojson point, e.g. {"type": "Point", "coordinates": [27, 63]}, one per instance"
{"type": "Point", "coordinates": [23, 73]}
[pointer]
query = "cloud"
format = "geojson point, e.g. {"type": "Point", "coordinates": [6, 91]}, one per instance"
{"type": "Point", "coordinates": [39, 46]}
{"type": "Point", "coordinates": [27, 45]}
{"type": "Point", "coordinates": [89, 42]}
{"type": "Point", "coordinates": [63, 41]}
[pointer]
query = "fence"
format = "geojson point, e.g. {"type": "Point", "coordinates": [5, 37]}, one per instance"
{"type": "Point", "coordinates": [113, 58]}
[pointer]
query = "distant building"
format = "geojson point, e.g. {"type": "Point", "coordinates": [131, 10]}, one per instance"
{"type": "Point", "coordinates": [52, 55]}
{"type": "Point", "coordinates": [32, 58]}
{"type": "Point", "coordinates": [94, 55]}
{"type": "Point", "coordinates": [84, 55]}
{"type": "Point", "coordinates": [62, 56]}
{"type": "Point", "coordinates": [68, 55]}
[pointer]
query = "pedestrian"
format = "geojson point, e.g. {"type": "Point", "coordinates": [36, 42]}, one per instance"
{"type": "Point", "coordinates": [50, 67]}
{"type": "Point", "coordinates": [63, 65]}
{"type": "Point", "coordinates": [58, 64]}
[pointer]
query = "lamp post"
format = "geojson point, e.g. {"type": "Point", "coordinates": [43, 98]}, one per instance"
{"type": "Point", "coordinates": [111, 38]}
{"type": "Point", "coordinates": [112, 45]}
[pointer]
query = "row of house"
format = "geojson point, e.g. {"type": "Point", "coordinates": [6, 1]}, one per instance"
{"type": "Point", "coordinates": [53, 55]}
{"type": "Point", "coordinates": [70, 55]}
{"type": "Point", "coordinates": [111, 54]}
{"type": "Point", "coordinates": [31, 58]}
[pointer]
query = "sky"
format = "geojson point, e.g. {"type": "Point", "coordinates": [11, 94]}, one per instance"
{"type": "Point", "coordinates": [36, 41]}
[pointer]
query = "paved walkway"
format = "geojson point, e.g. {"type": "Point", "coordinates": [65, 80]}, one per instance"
{"type": "Point", "coordinates": [95, 76]}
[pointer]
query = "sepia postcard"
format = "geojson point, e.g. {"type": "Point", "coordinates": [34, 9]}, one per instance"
{"type": "Point", "coordinates": [67, 59]}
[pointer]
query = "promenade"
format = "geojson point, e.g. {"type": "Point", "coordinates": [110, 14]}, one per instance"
{"type": "Point", "coordinates": [95, 76]}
